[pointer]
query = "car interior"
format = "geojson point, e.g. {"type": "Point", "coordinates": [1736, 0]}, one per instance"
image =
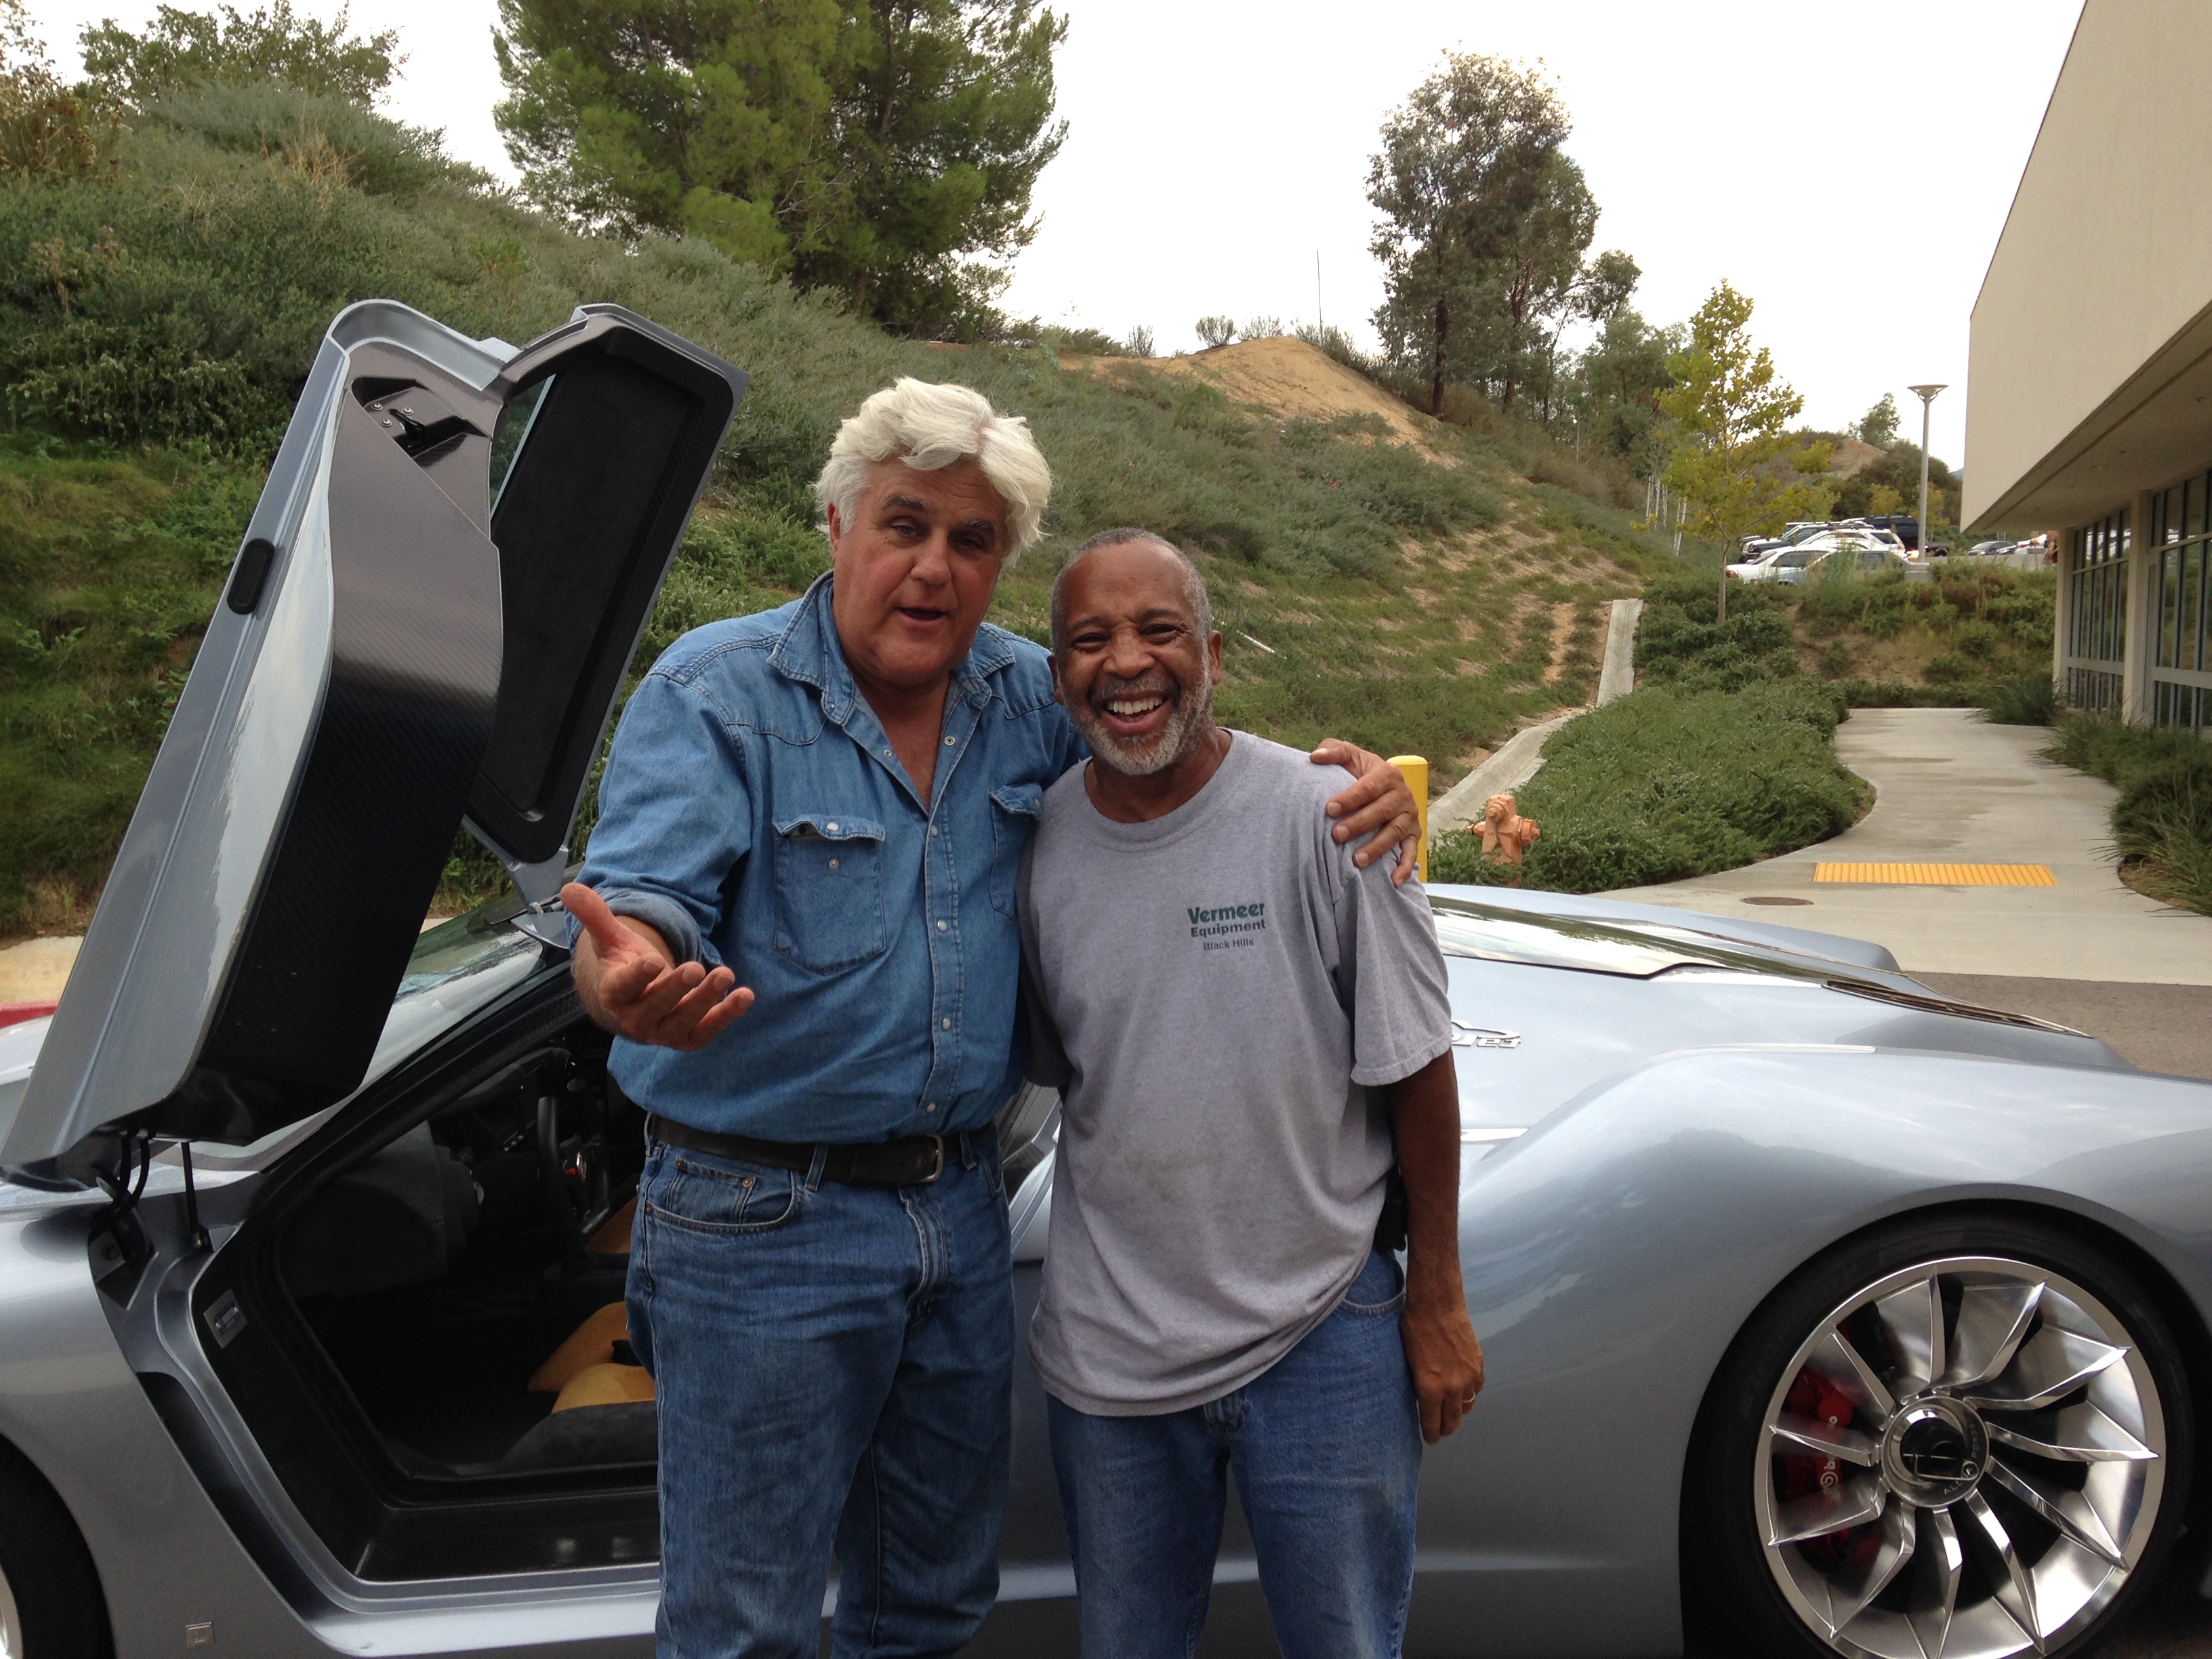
{"type": "Point", "coordinates": [421, 1320]}
{"type": "Point", "coordinates": [466, 1280]}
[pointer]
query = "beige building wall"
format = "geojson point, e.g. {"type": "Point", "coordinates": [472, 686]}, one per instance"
{"type": "Point", "coordinates": [2091, 352]}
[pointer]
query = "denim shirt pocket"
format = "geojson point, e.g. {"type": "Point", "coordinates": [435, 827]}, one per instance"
{"type": "Point", "coordinates": [829, 890]}
{"type": "Point", "coordinates": [1014, 810]}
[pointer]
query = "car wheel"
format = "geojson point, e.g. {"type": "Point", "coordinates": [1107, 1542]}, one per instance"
{"type": "Point", "coordinates": [50, 1607]}
{"type": "Point", "coordinates": [1970, 1436]}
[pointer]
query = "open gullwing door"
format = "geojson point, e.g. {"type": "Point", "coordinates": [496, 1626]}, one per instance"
{"type": "Point", "coordinates": [428, 622]}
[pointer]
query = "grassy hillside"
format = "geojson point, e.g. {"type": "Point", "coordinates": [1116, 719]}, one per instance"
{"type": "Point", "coordinates": [1883, 640]}
{"type": "Point", "coordinates": [155, 320]}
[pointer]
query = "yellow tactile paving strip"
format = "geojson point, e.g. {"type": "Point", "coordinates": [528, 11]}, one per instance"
{"type": "Point", "coordinates": [1940, 875]}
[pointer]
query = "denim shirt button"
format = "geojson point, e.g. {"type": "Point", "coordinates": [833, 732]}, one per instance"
{"type": "Point", "coordinates": [948, 742]}
{"type": "Point", "coordinates": [948, 1024]}
{"type": "Point", "coordinates": [928, 1105]}
{"type": "Point", "coordinates": [941, 926]}
{"type": "Point", "coordinates": [833, 863]}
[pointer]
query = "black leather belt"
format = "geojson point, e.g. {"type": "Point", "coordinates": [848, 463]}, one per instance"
{"type": "Point", "coordinates": [910, 1161]}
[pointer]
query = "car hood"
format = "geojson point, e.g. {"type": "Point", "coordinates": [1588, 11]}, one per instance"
{"type": "Point", "coordinates": [437, 596]}
{"type": "Point", "coordinates": [1553, 994]}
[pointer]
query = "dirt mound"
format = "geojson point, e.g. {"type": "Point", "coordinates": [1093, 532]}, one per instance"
{"type": "Point", "coordinates": [1851, 456]}
{"type": "Point", "coordinates": [1297, 381]}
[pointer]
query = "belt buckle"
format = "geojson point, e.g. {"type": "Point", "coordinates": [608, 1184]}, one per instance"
{"type": "Point", "coordinates": [936, 1169]}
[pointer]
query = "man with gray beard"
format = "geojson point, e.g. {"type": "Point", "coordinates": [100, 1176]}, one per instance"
{"type": "Point", "coordinates": [1248, 1031]}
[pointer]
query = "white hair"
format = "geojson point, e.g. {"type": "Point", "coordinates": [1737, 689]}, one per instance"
{"type": "Point", "coordinates": [932, 425]}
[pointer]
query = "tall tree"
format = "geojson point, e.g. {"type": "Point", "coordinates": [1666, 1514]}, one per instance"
{"type": "Point", "coordinates": [1878, 426]}
{"type": "Point", "coordinates": [710, 116]}
{"type": "Point", "coordinates": [1462, 164]}
{"type": "Point", "coordinates": [1530, 284]}
{"type": "Point", "coordinates": [1599, 292]}
{"type": "Point", "coordinates": [186, 48]}
{"type": "Point", "coordinates": [941, 134]}
{"type": "Point", "coordinates": [1616, 385]}
{"type": "Point", "coordinates": [887, 151]}
{"type": "Point", "coordinates": [1737, 465]}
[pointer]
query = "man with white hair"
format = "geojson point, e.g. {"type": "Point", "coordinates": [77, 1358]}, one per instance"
{"type": "Point", "coordinates": [831, 800]}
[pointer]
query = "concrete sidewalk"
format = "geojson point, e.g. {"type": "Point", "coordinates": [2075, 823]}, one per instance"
{"type": "Point", "coordinates": [1954, 789]}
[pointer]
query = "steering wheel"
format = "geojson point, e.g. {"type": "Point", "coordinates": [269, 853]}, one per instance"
{"type": "Point", "coordinates": [572, 1158]}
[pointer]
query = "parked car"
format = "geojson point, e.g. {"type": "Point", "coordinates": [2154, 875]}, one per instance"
{"type": "Point", "coordinates": [1790, 564]}
{"type": "Point", "coordinates": [1904, 524]}
{"type": "Point", "coordinates": [1867, 1314]}
{"type": "Point", "coordinates": [1880, 530]}
{"type": "Point", "coordinates": [1756, 547]}
{"type": "Point", "coordinates": [1989, 550]}
{"type": "Point", "coordinates": [1845, 563]}
{"type": "Point", "coordinates": [1770, 565]}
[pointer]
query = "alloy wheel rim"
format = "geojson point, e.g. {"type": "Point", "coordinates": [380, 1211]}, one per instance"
{"type": "Point", "coordinates": [1963, 1460]}
{"type": "Point", "coordinates": [11, 1623]}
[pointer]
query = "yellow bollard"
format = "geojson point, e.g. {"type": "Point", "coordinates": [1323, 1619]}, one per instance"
{"type": "Point", "coordinates": [1417, 780]}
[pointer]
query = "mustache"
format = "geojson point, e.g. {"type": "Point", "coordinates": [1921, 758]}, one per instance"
{"type": "Point", "coordinates": [1144, 685]}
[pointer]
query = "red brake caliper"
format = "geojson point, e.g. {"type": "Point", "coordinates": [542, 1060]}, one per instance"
{"type": "Point", "coordinates": [1823, 1400]}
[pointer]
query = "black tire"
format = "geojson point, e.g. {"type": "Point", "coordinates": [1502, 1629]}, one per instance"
{"type": "Point", "coordinates": [1726, 1573]}
{"type": "Point", "coordinates": [47, 1571]}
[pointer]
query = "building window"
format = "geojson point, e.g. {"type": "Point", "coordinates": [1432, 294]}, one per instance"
{"type": "Point", "coordinates": [2097, 613]}
{"type": "Point", "coordinates": [2181, 657]}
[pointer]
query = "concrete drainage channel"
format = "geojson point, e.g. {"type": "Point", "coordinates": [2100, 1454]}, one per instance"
{"type": "Point", "coordinates": [1523, 755]}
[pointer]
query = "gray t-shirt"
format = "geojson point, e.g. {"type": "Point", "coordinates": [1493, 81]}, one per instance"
{"type": "Point", "coordinates": [1219, 988]}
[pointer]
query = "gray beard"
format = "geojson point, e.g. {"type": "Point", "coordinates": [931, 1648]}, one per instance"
{"type": "Point", "coordinates": [1193, 715]}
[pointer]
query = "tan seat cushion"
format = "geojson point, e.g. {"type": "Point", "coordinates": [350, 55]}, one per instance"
{"type": "Point", "coordinates": [613, 1236]}
{"type": "Point", "coordinates": [604, 1385]}
{"type": "Point", "coordinates": [591, 1343]}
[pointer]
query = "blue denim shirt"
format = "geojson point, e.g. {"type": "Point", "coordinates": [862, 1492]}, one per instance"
{"type": "Point", "coordinates": [754, 812]}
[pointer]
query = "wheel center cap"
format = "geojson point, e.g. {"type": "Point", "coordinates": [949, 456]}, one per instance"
{"type": "Point", "coordinates": [1933, 1452]}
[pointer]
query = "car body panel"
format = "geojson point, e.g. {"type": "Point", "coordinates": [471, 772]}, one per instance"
{"type": "Point", "coordinates": [379, 669]}
{"type": "Point", "coordinates": [1812, 947]}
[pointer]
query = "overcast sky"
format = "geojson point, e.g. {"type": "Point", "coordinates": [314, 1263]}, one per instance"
{"type": "Point", "coordinates": [1848, 168]}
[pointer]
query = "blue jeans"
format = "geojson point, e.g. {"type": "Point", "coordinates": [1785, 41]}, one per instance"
{"type": "Point", "coordinates": [1326, 1446]}
{"type": "Point", "coordinates": [833, 1365]}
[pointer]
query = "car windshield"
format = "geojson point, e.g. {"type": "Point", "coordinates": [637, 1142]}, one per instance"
{"type": "Point", "coordinates": [457, 968]}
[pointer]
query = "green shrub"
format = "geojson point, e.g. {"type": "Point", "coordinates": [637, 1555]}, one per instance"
{"type": "Point", "coordinates": [120, 385]}
{"type": "Point", "coordinates": [2162, 819]}
{"type": "Point", "coordinates": [1896, 694]}
{"type": "Point", "coordinates": [2021, 700]}
{"type": "Point", "coordinates": [318, 137]}
{"type": "Point", "coordinates": [108, 572]}
{"type": "Point", "coordinates": [1680, 644]}
{"type": "Point", "coordinates": [1666, 784]}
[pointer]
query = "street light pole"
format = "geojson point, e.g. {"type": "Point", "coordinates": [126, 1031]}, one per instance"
{"type": "Point", "coordinates": [1926, 396]}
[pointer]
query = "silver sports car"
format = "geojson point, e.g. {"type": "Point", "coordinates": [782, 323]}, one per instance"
{"type": "Point", "coordinates": [1875, 1321]}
